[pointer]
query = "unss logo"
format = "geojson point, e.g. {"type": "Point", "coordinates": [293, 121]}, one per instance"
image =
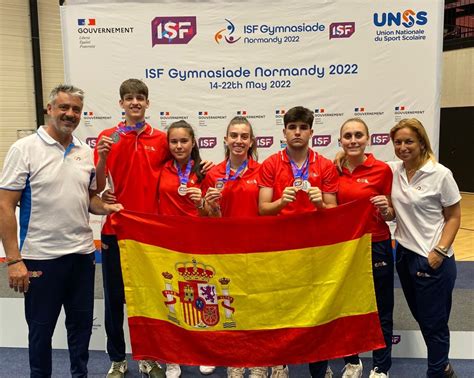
{"type": "Point", "coordinates": [407, 18]}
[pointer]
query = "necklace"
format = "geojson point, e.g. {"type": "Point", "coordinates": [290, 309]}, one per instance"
{"type": "Point", "coordinates": [351, 167]}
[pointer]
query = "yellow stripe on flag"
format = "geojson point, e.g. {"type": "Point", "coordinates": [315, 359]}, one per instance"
{"type": "Point", "coordinates": [270, 290]}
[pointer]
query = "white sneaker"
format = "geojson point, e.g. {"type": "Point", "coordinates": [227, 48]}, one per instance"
{"type": "Point", "coordinates": [206, 370]}
{"type": "Point", "coordinates": [258, 372]}
{"type": "Point", "coordinates": [352, 370]}
{"type": "Point", "coordinates": [233, 372]}
{"type": "Point", "coordinates": [375, 374]}
{"type": "Point", "coordinates": [152, 369]}
{"type": "Point", "coordinates": [328, 373]}
{"type": "Point", "coordinates": [117, 369]}
{"type": "Point", "coordinates": [280, 371]}
{"type": "Point", "coordinates": [173, 371]}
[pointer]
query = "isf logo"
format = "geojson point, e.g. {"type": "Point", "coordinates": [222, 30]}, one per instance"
{"type": "Point", "coordinates": [173, 30]}
{"type": "Point", "coordinates": [379, 139]}
{"type": "Point", "coordinates": [321, 140]}
{"type": "Point", "coordinates": [264, 141]}
{"type": "Point", "coordinates": [92, 141]}
{"type": "Point", "coordinates": [341, 29]}
{"type": "Point", "coordinates": [408, 18]}
{"type": "Point", "coordinates": [207, 142]}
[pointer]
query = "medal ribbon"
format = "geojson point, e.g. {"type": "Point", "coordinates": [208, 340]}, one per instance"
{"type": "Point", "coordinates": [300, 173]}
{"type": "Point", "coordinates": [184, 176]}
{"type": "Point", "coordinates": [237, 172]}
{"type": "Point", "coordinates": [123, 128]}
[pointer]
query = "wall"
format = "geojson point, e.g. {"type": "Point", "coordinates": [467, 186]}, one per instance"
{"type": "Point", "coordinates": [17, 109]}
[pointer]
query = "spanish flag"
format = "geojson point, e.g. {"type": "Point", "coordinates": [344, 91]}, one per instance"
{"type": "Point", "coordinates": [260, 291]}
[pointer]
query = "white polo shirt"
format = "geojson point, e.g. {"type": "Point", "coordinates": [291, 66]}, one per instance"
{"type": "Point", "coordinates": [55, 183]}
{"type": "Point", "coordinates": [419, 205]}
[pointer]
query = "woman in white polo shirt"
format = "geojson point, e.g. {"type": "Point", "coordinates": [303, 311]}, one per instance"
{"type": "Point", "coordinates": [426, 200]}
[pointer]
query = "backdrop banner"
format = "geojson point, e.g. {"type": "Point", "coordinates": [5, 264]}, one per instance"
{"type": "Point", "coordinates": [207, 62]}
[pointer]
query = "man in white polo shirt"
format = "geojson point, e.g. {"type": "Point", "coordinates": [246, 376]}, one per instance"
{"type": "Point", "coordinates": [52, 175]}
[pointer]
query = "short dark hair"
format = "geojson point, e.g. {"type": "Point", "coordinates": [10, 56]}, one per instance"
{"type": "Point", "coordinates": [133, 86]}
{"type": "Point", "coordinates": [299, 113]}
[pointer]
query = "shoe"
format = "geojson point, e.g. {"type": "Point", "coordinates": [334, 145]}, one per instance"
{"type": "Point", "coordinates": [258, 372]}
{"type": "Point", "coordinates": [173, 371]}
{"type": "Point", "coordinates": [280, 371]}
{"type": "Point", "coordinates": [152, 369]}
{"type": "Point", "coordinates": [375, 374]}
{"type": "Point", "coordinates": [328, 373]}
{"type": "Point", "coordinates": [117, 369]}
{"type": "Point", "coordinates": [206, 370]}
{"type": "Point", "coordinates": [352, 370]}
{"type": "Point", "coordinates": [449, 372]}
{"type": "Point", "coordinates": [233, 372]}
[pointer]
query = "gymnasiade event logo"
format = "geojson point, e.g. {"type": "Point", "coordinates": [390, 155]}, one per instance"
{"type": "Point", "coordinates": [407, 26]}
{"type": "Point", "coordinates": [226, 34]}
{"type": "Point", "coordinates": [171, 30]}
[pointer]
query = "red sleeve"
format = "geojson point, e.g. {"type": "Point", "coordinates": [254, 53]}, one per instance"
{"type": "Point", "coordinates": [165, 151]}
{"type": "Point", "coordinates": [209, 180]}
{"type": "Point", "coordinates": [330, 179]}
{"type": "Point", "coordinates": [266, 177]}
{"type": "Point", "coordinates": [158, 182]}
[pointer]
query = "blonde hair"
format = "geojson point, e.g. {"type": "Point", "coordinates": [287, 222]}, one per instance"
{"type": "Point", "coordinates": [416, 126]}
{"type": "Point", "coordinates": [359, 120]}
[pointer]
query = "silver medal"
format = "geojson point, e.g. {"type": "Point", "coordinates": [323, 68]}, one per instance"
{"type": "Point", "coordinates": [182, 190]}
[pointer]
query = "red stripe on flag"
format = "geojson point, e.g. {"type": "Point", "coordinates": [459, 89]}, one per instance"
{"type": "Point", "coordinates": [343, 223]}
{"type": "Point", "coordinates": [156, 340]}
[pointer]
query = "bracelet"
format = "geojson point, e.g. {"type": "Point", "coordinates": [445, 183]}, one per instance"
{"type": "Point", "coordinates": [12, 262]}
{"type": "Point", "coordinates": [215, 210]}
{"type": "Point", "coordinates": [440, 254]}
{"type": "Point", "coordinates": [442, 251]}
